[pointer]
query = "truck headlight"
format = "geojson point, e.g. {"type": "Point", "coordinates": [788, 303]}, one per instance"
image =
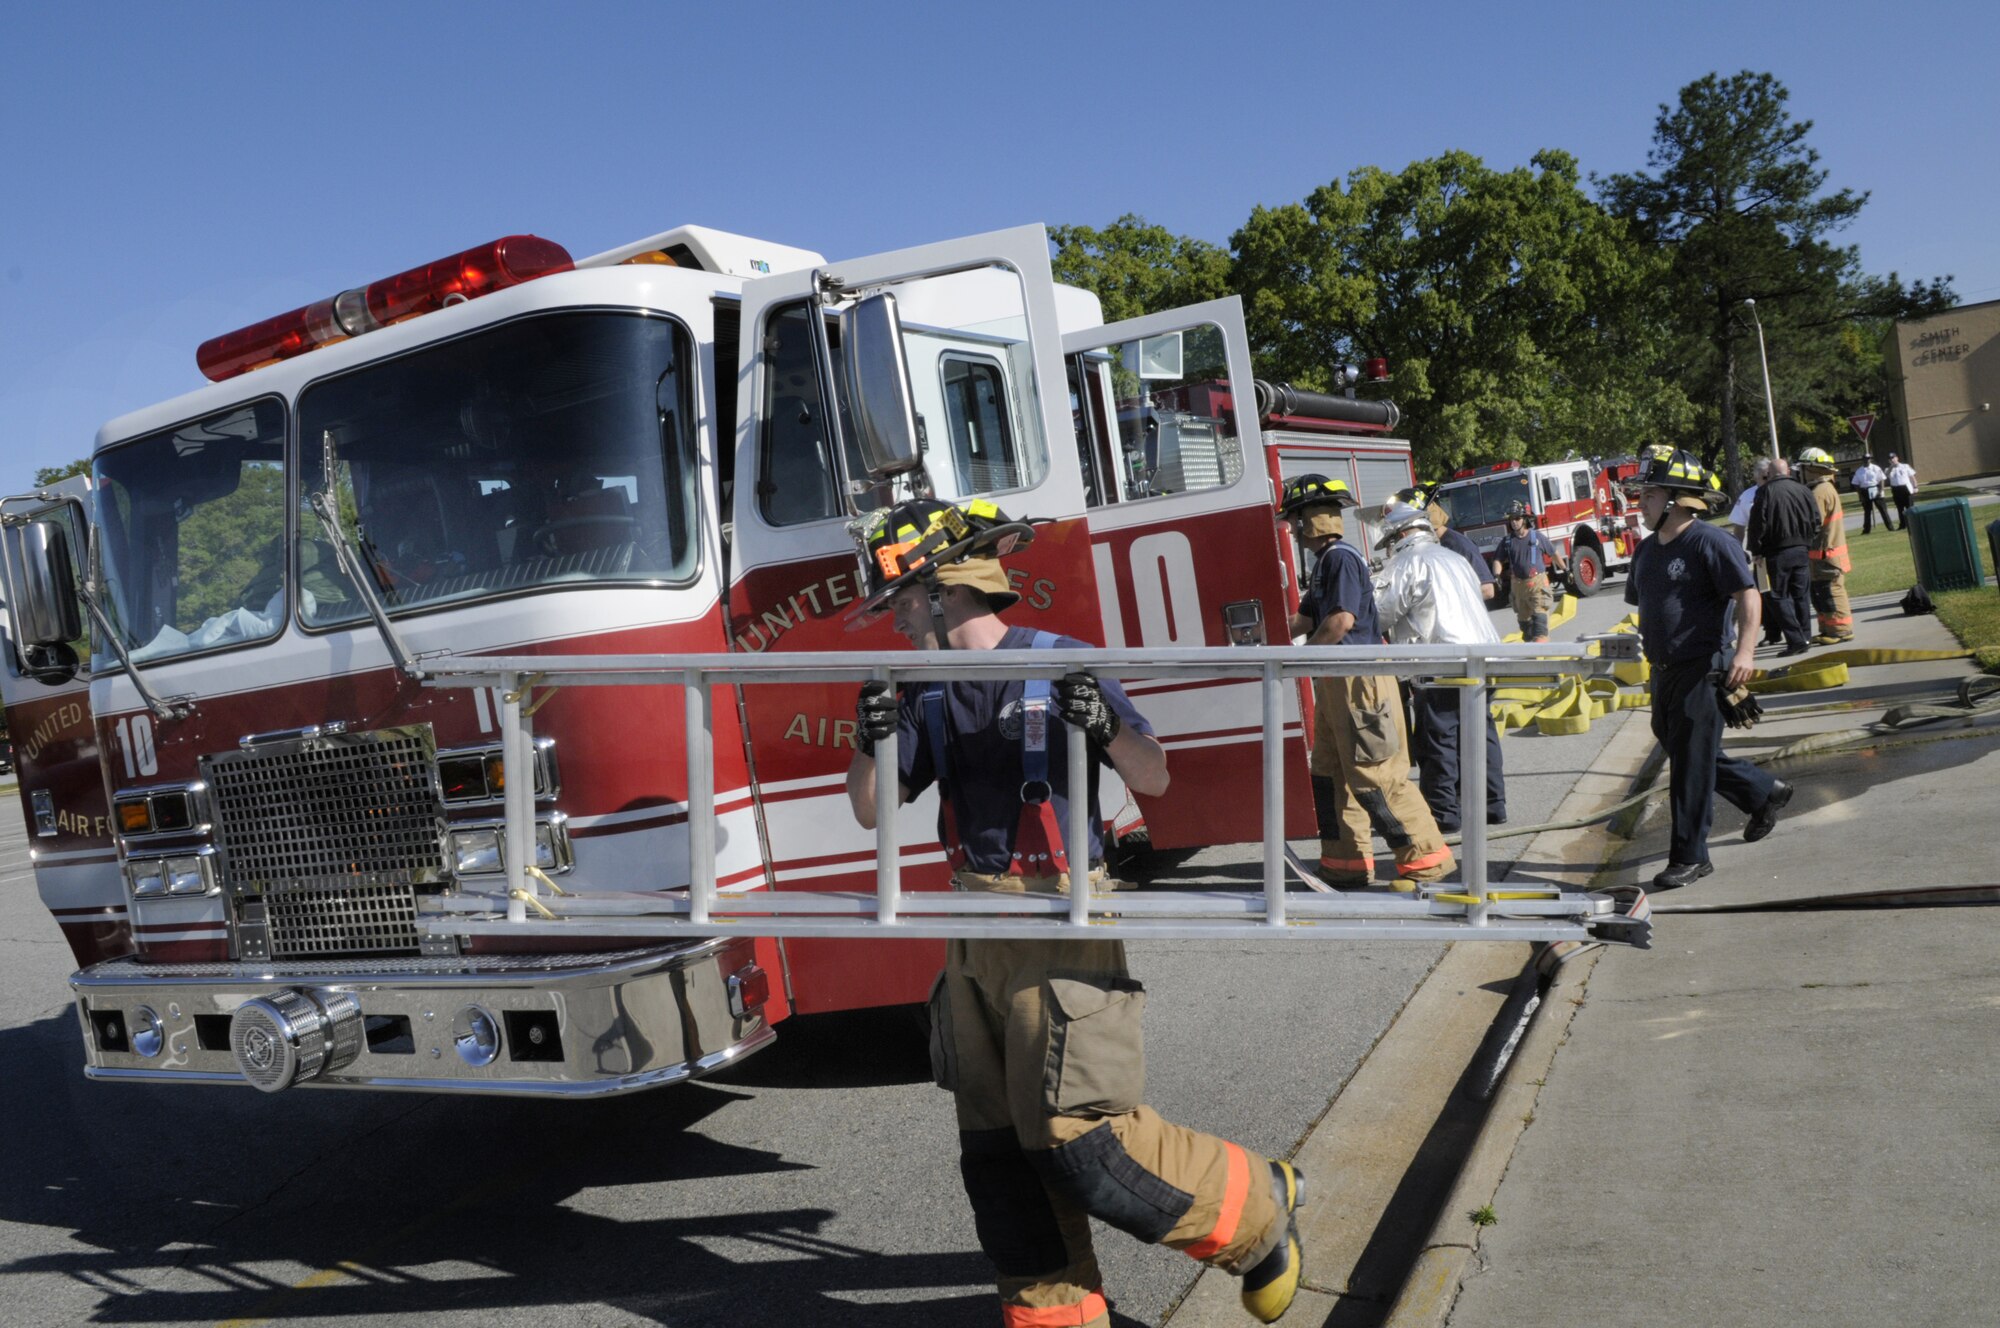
{"type": "Point", "coordinates": [189, 876]}
{"type": "Point", "coordinates": [149, 878]}
{"type": "Point", "coordinates": [476, 851]}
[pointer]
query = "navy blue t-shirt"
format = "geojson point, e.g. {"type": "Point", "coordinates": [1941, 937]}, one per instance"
{"type": "Point", "coordinates": [1340, 584]}
{"type": "Point", "coordinates": [1456, 541]}
{"type": "Point", "coordinates": [1526, 555]}
{"type": "Point", "coordinates": [1683, 591]}
{"type": "Point", "coordinates": [983, 769]}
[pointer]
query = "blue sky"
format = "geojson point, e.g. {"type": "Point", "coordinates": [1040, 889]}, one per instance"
{"type": "Point", "coordinates": [178, 170]}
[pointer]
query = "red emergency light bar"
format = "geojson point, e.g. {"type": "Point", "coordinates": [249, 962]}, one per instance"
{"type": "Point", "coordinates": [1376, 370]}
{"type": "Point", "coordinates": [481, 270]}
{"type": "Point", "coordinates": [1493, 469]}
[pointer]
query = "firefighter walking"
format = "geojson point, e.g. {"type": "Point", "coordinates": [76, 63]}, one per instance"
{"type": "Point", "coordinates": [1361, 747]}
{"type": "Point", "coordinates": [1828, 552]}
{"type": "Point", "coordinates": [1039, 1040]}
{"type": "Point", "coordinates": [1428, 595]}
{"type": "Point", "coordinates": [1528, 556]}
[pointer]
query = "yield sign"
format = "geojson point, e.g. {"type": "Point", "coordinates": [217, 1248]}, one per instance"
{"type": "Point", "coordinates": [1862, 424]}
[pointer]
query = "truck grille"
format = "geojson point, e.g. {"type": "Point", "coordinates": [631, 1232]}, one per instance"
{"type": "Point", "coordinates": [325, 841]}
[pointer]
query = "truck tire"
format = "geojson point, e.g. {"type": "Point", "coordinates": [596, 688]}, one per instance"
{"type": "Point", "coordinates": [1586, 571]}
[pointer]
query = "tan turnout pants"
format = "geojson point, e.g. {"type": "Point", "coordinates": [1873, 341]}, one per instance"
{"type": "Point", "coordinates": [1361, 742]}
{"type": "Point", "coordinates": [1040, 1043]}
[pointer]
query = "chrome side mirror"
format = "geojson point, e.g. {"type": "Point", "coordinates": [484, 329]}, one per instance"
{"type": "Point", "coordinates": [48, 612]}
{"type": "Point", "coordinates": [878, 386]}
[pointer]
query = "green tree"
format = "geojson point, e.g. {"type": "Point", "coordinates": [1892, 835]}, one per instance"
{"type": "Point", "coordinates": [1135, 267]}
{"type": "Point", "coordinates": [1736, 200]}
{"type": "Point", "coordinates": [1520, 319]}
{"type": "Point", "coordinates": [48, 475]}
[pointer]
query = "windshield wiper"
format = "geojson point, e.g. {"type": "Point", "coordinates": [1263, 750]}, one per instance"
{"type": "Point", "coordinates": [179, 707]}
{"type": "Point", "coordinates": [350, 562]}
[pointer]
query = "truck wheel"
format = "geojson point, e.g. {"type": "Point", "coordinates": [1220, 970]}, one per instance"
{"type": "Point", "coordinates": [1586, 571]}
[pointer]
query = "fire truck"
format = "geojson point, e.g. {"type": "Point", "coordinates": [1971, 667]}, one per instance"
{"type": "Point", "coordinates": [1583, 507]}
{"type": "Point", "coordinates": [244, 800]}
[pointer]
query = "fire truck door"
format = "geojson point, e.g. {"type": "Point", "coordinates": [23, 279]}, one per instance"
{"type": "Point", "coordinates": [984, 352]}
{"type": "Point", "coordinates": [1185, 547]}
{"type": "Point", "coordinates": [53, 736]}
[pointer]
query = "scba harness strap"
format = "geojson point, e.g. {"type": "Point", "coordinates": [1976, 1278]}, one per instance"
{"type": "Point", "coordinates": [1037, 841]}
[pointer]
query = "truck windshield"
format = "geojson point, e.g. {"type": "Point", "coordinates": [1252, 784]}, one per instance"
{"type": "Point", "coordinates": [1486, 502]}
{"type": "Point", "coordinates": [192, 534]}
{"type": "Point", "coordinates": [554, 450]}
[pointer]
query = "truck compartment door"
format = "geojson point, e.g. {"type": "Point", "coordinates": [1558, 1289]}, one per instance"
{"type": "Point", "coordinates": [1184, 541]}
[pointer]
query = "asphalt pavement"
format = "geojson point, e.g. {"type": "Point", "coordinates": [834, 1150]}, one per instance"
{"type": "Point", "coordinates": [814, 1184]}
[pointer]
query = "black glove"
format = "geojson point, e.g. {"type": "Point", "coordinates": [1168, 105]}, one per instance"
{"type": "Point", "coordinates": [1739, 708]}
{"type": "Point", "coordinates": [875, 715]}
{"type": "Point", "coordinates": [1081, 702]}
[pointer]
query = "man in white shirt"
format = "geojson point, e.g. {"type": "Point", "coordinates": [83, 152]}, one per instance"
{"type": "Point", "coordinates": [1739, 515]}
{"type": "Point", "coordinates": [1868, 481]}
{"type": "Point", "coordinates": [1902, 487]}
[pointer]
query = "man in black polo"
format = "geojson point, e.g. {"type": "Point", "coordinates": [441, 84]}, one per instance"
{"type": "Point", "coordinates": [1686, 578]}
{"type": "Point", "coordinates": [1783, 521]}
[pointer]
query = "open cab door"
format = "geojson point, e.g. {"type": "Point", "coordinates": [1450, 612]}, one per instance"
{"type": "Point", "coordinates": [983, 356]}
{"type": "Point", "coordinates": [47, 691]}
{"type": "Point", "coordinates": [1185, 546]}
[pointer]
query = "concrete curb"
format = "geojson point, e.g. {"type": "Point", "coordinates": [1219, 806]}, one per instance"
{"type": "Point", "coordinates": [1432, 1286]}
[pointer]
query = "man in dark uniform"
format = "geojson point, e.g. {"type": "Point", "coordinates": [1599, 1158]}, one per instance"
{"type": "Point", "coordinates": [1685, 579]}
{"type": "Point", "coordinates": [1784, 520]}
{"type": "Point", "coordinates": [1361, 744]}
{"type": "Point", "coordinates": [1039, 1040]}
{"type": "Point", "coordinates": [1528, 556]}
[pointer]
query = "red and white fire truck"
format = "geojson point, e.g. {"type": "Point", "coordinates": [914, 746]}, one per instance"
{"type": "Point", "coordinates": [1581, 505]}
{"type": "Point", "coordinates": [243, 800]}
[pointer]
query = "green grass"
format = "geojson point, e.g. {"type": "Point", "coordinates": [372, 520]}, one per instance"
{"type": "Point", "coordinates": [1882, 561]}
{"type": "Point", "coordinates": [1974, 618]}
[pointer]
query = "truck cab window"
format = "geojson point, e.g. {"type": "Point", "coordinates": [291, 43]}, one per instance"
{"type": "Point", "coordinates": [977, 419]}
{"type": "Point", "coordinates": [798, 477]}
{"type": "Point", "coordinates": [1174, 414]}
{"type": "Point", "coordinates": [553, 450]}
{"type": "Point", "coordinates": [192, 521]}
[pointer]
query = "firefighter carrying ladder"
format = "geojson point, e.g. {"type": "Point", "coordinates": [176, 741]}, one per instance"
{"type": "Point", "coordinates": [1465, 909]}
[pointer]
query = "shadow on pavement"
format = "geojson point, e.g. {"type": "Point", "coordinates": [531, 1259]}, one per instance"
{"type": "Point", "coordinates": [180, 1203]}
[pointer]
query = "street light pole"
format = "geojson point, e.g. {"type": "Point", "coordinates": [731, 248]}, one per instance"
{"type": "Point", "coordinates": [1770, 408]}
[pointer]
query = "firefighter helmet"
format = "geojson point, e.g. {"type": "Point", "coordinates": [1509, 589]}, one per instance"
{"type": "Point", "coordinates": [954, 543]}
{"type": "Point", "coordinates": [1816, 458]}
{"type": "Point", "coordinates": [1518, 511]}
{"type": "Point", "coordinates": [1303, 491]}
{"type": "Point", "coordinates": [1672, 468]}
{"type": "Point", "coordinates": [1315, 503]}
{"type": "Point", "coordinates": [1399, 522]}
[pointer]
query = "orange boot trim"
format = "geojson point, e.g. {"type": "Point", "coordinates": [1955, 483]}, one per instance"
{"type": "Point", "coordinates": [1362, 865]}
{"type": "Point", "coordinates": [1235, 1189]}
{"type": "Point", "coordinates": [1086, 1311]}
{"type": "Point", "coordinates": [1425, 863]}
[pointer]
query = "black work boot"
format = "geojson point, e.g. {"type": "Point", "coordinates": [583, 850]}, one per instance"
{"type": "Point", "coordinates": [1764, 818]}
{"type": "Point", "coordinates": [1679, 874]}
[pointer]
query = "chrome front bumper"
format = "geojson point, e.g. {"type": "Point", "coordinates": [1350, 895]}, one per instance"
{"type": "Point", "coordinates": [567, 1025]}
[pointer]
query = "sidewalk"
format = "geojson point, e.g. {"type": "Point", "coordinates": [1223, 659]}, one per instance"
{"type": "Point", "coordinates": [1782, 1117]}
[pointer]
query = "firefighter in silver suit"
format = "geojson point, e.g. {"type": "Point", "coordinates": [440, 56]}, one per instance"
{"type": "Point", "coordinates": [1428, 595]}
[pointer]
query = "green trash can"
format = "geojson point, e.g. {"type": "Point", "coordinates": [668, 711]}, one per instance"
{"type": "Point", "coordinates": [1947, 551]}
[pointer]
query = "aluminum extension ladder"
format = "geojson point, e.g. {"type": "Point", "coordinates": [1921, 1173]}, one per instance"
{"type": "Point", "coordinates": [1439, 911]}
